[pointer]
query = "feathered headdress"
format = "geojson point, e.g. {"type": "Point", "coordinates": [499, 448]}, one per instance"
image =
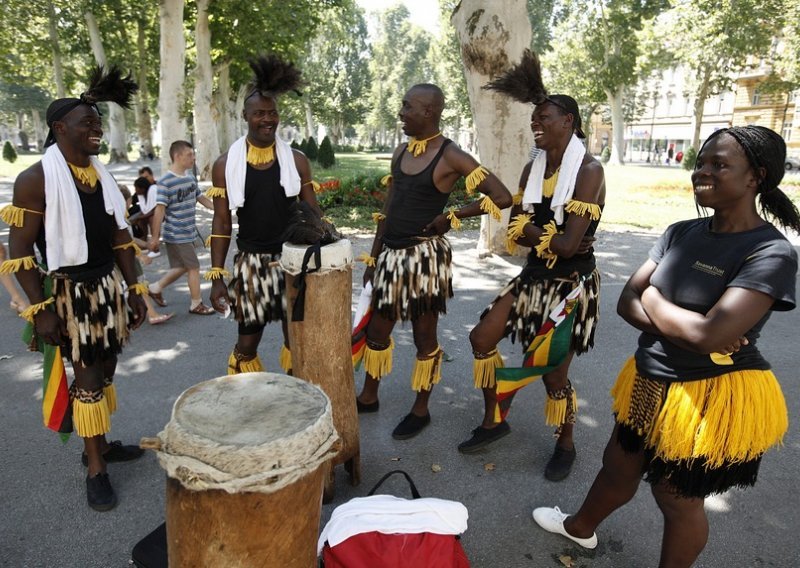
{"type": "Point", "coordinates": [522, 82]}
{"type": "Point", "coordinates": [273, 76]}
{"type": "Point", "coordinates": [104, 86]}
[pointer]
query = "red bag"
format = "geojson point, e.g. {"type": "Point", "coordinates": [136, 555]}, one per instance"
{"type": "Point", "coordinates": [410, 546]}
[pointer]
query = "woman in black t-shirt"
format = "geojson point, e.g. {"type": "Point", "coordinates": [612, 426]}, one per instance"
{"type": "Point", "coordinates": [698, 405]}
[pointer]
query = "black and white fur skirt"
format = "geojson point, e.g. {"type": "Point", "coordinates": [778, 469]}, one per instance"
{"type": "Point", "coordinates": [534, 299]}
{"type": "Point", "coordinates": [96, 316]}
{"type": "Point", "coordinates": [413, 281]}
{"type": "Point", "coordinates": [257, 288]}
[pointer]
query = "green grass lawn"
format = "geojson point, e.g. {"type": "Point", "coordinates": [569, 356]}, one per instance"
{"type": "Point", "coordinates": [8, 169]}
{"type": "Point", "coordinates": [351, 165]}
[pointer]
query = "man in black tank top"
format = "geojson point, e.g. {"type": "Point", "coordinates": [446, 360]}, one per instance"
{"type": "Point", "coordinates": [251, 178]}
{"type": "Point", "coordinates": [78, 307]}
{"type": "Point", "coordinates": [409, 265]}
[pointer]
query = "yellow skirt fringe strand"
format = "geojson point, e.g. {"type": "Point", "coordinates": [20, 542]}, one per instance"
{"type": "Point", "coordinates": [91, 418]}
{"type": "Point", "coordinates": [730, 418]}
{"type": "Point", "coordinates": [428, 371]}
{"type": "Point", "coordinates": [483, 370]}
{"type": "Point", "coordinates": [378, 364]}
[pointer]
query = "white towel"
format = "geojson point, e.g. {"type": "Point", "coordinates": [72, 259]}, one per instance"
{"type": "Point", "coordinates": [236, 169]}
{"type": "Point", "coordinates": [64, 229]}
{"type": "Point", "coordinates": [565, 186]}
{"type": "Point", "coordinates": [387, 514]}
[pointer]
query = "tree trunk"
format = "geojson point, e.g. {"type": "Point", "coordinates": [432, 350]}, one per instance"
{"type": "Point", "coordinates": [238, 124]}
{"type": "Point", "coordinates": [699, 108]}
{"type": "Point", "coordinates": [222, 101]}
{"type": "Point", "coordinates": [143, 120]}
{"type": "Point", "coordinates": [206, 143]}
{"type": "Point", "coordinates": [38, 129]}
{"type": "Point", "coordinates": [310, 130]}
{"type": "Point", "coordinates": [170, 85]}
{"type": "Point", "coordinates": [58, 68]}
{"type": "Point", "coordinates": [615, 100]}
{"type": "Point", "coordinates": [118, 143]}
{"type": "Point", "coordinates": [493, 36]}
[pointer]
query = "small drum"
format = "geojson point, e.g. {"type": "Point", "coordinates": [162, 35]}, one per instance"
{"type": "Point", "coordinates": [244, 456]}
{"type": "Point", "coordinates": [321, 345]}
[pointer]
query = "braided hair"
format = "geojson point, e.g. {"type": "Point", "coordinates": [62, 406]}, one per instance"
{"type": "Point", "coordinates": [765, 151]}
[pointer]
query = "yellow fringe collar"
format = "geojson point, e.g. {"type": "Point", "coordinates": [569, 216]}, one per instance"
{"type": "Point", "coordinates": [258, 156]}
{"type": "Point", "coordinates": [87, 175]}
{"type": "Point", "coordinates": [418, 147]}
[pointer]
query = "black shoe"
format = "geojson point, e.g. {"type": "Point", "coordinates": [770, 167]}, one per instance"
{"type": "Point", "coordinates": [410, 426]}
{"type": "Point", "coordinates": [482, 437]}
{"type": "Point", "coordinates": [560, 464]}
{"type": "Point", "coordinates": [117, 453]}
{"type": "Point", "coordinates": [99, 493]}
{"type": "Point", "coordinates": [366, 408]}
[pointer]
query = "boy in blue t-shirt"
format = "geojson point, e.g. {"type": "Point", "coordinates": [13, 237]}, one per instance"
{"type": "Point", "coordinates": [178, 194]}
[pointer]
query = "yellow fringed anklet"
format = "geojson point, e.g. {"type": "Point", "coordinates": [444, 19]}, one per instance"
{"type": "Point", "coordinates": [286, 359]}
{"type": "Point", "coordinates": [238, 364]}
{"type": "Point", "coordinates": [91, 418]}
{"type": "Point", "coordinates": [561, 407]}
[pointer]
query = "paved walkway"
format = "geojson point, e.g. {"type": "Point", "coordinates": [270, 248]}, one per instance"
{"type": "Point", "coordinates": [46, 522]}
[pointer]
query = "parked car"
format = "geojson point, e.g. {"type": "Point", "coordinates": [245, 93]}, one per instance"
{"type": "Point", "coordinates": [792, 163]}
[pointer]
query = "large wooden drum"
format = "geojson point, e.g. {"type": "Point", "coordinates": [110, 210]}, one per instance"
{"type": "Point", "coordinates": [245, 459]}
{"type": "Point", "coordinates": [321, 347]}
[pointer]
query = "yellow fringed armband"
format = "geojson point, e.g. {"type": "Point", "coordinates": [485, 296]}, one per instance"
{"type": "Point", "coordinates": [475, 178]}
{"type": "Point", "coordinates": [130, 244]}
{"type": "Point", "coordinates": [140, 288]}
{"type": "Point", "coordinates": [208, 239]}
{"type": "Point", "coordinates": [455, 222]}
{"type": "Point", "coordinates": [15, 265]}
{"type": "Point", "coordinates": [584, 209]}
{"type": "Point", "coordinates": [15, 216]}
{"type": "Point", "coordinates": [216, 273]}
{"type": "Point", "coordinates": [517, 199]}
{"type": "Point", "coordinates": [314, 185]}
{"type": "Point", "coordinates": [489, 206]}
{"type": "Point", "coordinates": [543, 248]}
{"type": "Point", "coordinates": [386, 180]}
{"type": "Point", "coordinates": [216, 192]}
{"type": "Point", "coordinates": [28, 313]}
{"type": "Point", "coordinates": [378, 217]}
{"type": "Point", "coordinates": [367, 259]}
{"type": "Point", "coordinates": [516, 229]}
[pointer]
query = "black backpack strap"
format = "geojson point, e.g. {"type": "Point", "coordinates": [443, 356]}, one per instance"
{"type": "Point", "coordinates": [298, 310]}
{"type": "Point", "coordinates": [414, 493]}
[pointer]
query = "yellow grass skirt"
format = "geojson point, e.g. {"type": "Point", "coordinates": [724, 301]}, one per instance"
{"type": "Point", "coordinates": [702, 436]}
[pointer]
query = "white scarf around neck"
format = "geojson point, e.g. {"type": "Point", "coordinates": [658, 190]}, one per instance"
{"type": "Point", "coordinates": [565, 186]}
{"type": "Point", "coordinates": [64, 229]}
{"type": "Point", "coordinates": [236, 170]}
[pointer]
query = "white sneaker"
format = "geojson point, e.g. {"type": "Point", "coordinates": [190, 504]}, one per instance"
{"type": "Point", "coordinates": [154, 254]}
{"type": "Point", "coordinates": [551, 519]}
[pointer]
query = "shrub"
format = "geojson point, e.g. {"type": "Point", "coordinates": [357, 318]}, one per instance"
{"type": "Point", "coordinates": [295, 145]}
{"type": "Point", "coordinates": [9, 153]}
{"type": "Point", "coordinates": [103, 147]}
{"type": "Point", "coordinates": [311, 149]}
{"type": "Point", "coordinates": [689, 158]}
{"type": "Point", "coordinates": [325, 157]}
{"type": "Point", "coordinates": [605, 155]}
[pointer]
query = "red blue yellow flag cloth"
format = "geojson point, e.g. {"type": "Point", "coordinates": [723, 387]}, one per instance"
{"type": "Point", "coordinates": [358, 339]}
{"type": "Point", "coordinates": [547, 351]}
{"type": "Point", "coordinates": [56, 411]}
